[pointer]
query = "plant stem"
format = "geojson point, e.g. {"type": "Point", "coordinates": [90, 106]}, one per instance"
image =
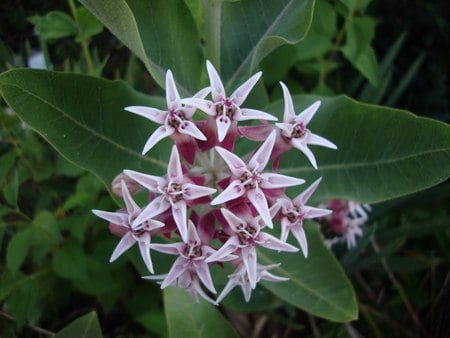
{"type": "Point", "coordinates": [84, 43]}
{"type": "Point", "coordinates": [212, 10]}
{"type": "Point", "coordinates": [31, 326]}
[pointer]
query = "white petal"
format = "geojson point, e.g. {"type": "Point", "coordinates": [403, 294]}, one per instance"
{"type": "Point", "coordinates": [174, 171]}
{"type": "Point", "coordinates": [171, 249]}
{"type": "Point", "coordinates": [154, 208]}
{"type": "Point", "coordinates": [206, 106]}
{"type": "Point", "coordinates": [223, 123]}
{"type": "Point", "coordinates": [243, 114]}
{"type": "Point", "coordinates": [236, 165]}
{"type": "Point", "coordinates": [153, 114]}
{"type": "Point", "coordinates": [172, 96]}
{"type": "Point", "coordinates": [319, 141]}
{"type": "Point", "coordinates": [273, 181]}
{"type": "Point", "coordinates": [160, 133]}
{"type": "Point", "coordinates": [273, 243]}
{"type": "Point", "coordinates": [144, 242]}
{"type": "Point", "coordinates": [125, 243]}
{"type": "Point", "coordinates": [286, 128]}
{"type": "Point", "coordinates": [130, 204]}
{"type": "Point", "coordinates": [249, 259]}
{"type": "Point", "coordinates": [177, 269]}
{"type": "Point", "coordinates": [300, 235]}
{"type": "Point", "coordinates": [119, 218]}
{"type": "Point", "coordinates": [234, 190]}
{"type": "Point", "coordinates": [289, 112]}
{"type": "Point", "coordinates": [217, 89]}
{"type": "Point", "coordinates": [240, 94]}
{"type": "Point", "coordinates": [150, 182]}
{"type": "Point", "coordinates": [306, 115]}
{"type": "Point", "coordinates": [257, 198]}
{"type": "Point", "coordinates": [230, 246]}
{"type": "Point", "coordinates": [235, 222]}
{"type": "Point", "coordinates": [261, 157]}
{"type": "Point", "coordinates": [301, 199]}
{"type": "Point", "coordinates": [298, 143]}
{"type": "Point", "coordinates": [189, 128]}
{"type": "Point", "coordinates": [193, 191]}
{"type": "Point", "coordinates": [232, 282]}
{"type": "Point", "coordinates": [205, 276]}
{"type": "Point", "coordinates": [311, 212]}
{"type": "Point", "coordinates": [179, 213]}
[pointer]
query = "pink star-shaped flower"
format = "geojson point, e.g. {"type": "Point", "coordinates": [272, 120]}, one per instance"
{"type": "Point", "coordinates": [248, 179]}
{"type": "Point", "coordinates": [227, 109]}
{"type": "Point", "coordinates": [176, 191]}
{"type": "Point", "coordinates": [133, 231]}
{"type": "Point", "coordinates": [293, 212]}
{"type": "Point", "coordinates": [240, 278]}
{"type": "Point", "coordinates": [294, 127]}
{"type": "Point", "coordinates": [247, 233]}
{"type": "Point", "coordinates": [175, 120]}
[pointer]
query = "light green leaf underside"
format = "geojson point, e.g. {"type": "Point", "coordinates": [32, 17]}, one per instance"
{"type": "Point", "coordinates": [187, 318]}
{"type": "Point", "coordinates": [383, 153]}
{"type": "Point", "coordinates": [317, 284]}
{"type": "Point", "coordinates": [252, 29]}
{"type": "Point", "coordinates": [162, 33]}
{"type": "Point", "coordinates": [83, 118]}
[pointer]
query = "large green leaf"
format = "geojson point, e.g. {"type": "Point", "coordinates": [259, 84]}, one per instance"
{"type": "Point", "coordinates": [162, 33]}
{"type": "Point", "coordinates": [317, 284]}
{"type": "Point", "coordinates": [250, 31]}
{"type": "Point", "coordinates": [187, 318]}
{"type": "Point", "coordinates": [382, 153]}
{"type": "Point", "coordinates": [86, 326]}
{"type": "Point", "coordinates": [83, 118]}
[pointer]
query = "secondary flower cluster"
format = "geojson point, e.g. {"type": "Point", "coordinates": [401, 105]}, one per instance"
{"type": "Point", "coordinates": [218, 204]}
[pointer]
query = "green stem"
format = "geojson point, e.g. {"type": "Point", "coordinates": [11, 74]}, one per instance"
{"type": "Point", "coordinates": [84, 43]}
{"type": "Point", "coordinates": [212, 10]}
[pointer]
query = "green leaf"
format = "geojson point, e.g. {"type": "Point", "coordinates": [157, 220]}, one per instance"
{"type": "Point", "coordinates": [382, 153]}
{"type": "Point", "coordinates": [162, 33]}
{"type": "Point", "coordinates": [6, 163]}
{"type": "Point", "coordinates": [187, 318]}
{"type": "Point", "coordinates": [70, 262]}
{"type": "Point", "coordinates": [96, 134]}
{"type": "Point", "coordinates": [18, 248]}
{"type": "Point", "coordinates": [317, 284]}
{"type": "Point", "coordinates": [357, 49]}
{"type": "Point", "coordinates": [88, 25]}
{"type": "Point", "coordinates": [11, 189]}
{"type": "Point", "coordinates": [54, 25]}
{"type": "Point", "coordinates": [45, 230]}
{"type": "Point", "coordinates": [86, 326]}
{"type": "Point", "coordinates": [261, 30]}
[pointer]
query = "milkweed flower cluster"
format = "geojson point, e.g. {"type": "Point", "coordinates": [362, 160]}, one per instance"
{"type": "Point", "coordinates": [345, 222]}
{"type": "Point", "coordinates": [215, 205]}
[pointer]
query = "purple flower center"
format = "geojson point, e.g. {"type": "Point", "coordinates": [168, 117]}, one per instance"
{"type": "Point", "coordinates": [299, 130]}
{"type": "Point", "coordinates": [176, 118]}
{"type": "Point", "coordinates": [226, 108]}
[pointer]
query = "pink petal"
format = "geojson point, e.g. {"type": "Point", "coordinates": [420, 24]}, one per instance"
{"type": "Point", "coordinates": [193, 239]}
{"type": "Point", "coordinates": [306, 115]}
{"type": "Point", "coordinates": [119, 218]}
{"type": "Point", "coordinates": [204, 105]}
{"type": "Point", "coordinates": [273, 243]}
{"type": "Point", "coordinates": [150, 182]}
{"type": "Point", "coordinates": [236, 165]}
{"type": "Point", "coordinates": [240, 94]}
{"type": "Point", "coordinates": [125, 243]}
{"type": "Point", "coordinates": [319, 141]}
{"type": "Point", "coordinates": [286, 128]}
{"type": "Point", "coordinates": [144, 242]}
{"type": "Point", "coordinates": [289, 112]}
{"type": "Point", "coordinates": [244, 114]}
{"type": "Point", "coordinates": [301, 199]}
{"type": "Point", "coordinates": [285, 229]}
{"type": "Point", "coordinates": [171, 249]}
{"type": "Point", "coordinates": [229, 247]}
{"type": "Point", "coordinates": [256, 133]}
{"type": "Point", "coordinates": [179, 213]}
{"type": "Point", "coordinates": [177, 269]}
{"type": "Point", "coordinates": [234, 190]}
{"type": "Point", "coordinates": [154, 208]}
{"type": "Point", "coordinates": [189, 128]}
{"type": "Point", "coordinates": [249, 259]}
{"type": "Point", "coordinates": [174, 171]}
{"type": "Point", "coordinates": [257, 198]}
{"type": "Point", "coordinates": [300, 235]}
{"type": "Point", "coordinates": [223, 123]}
{"type": "Point", "coordinates": [160, 133]}
{"type": "Point", "coordinates": [217, 89]}
{"type": "Point", "coordinates": [235, 223]}
{"type": "Point", "coordinates": [272, 181]}
{"type": "Point", "coordinates": [298, 143]}
{"type": "Point", "coordinates": [230, 138]}
{"type": "Point", "coordinates": [130, 204]}
{"type": "Point", "coordinates": [261, 157]}
{"type": "Point", "coordinates": [232, 282]}
{"type": "Point", "coordinates": [311, 212]}
{"type": "Point", "coordinates": [153, 114]}
{"type": "Point", "coordinates": [205, 276]}
{"type": "Point", "coordinates": [192, 191]}
{"type": "Point", "coordinates": [172, 96]}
